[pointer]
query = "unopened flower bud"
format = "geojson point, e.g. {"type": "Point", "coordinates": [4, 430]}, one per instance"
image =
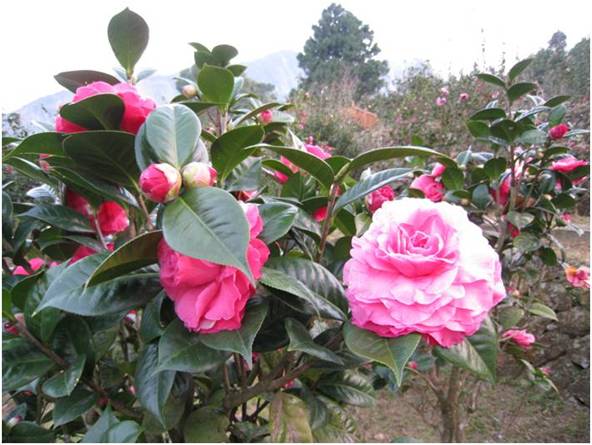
{"type": "Point", "coordinates": [160, 182]}
{"type": "Point", "coordinates": [10, 328]}
{"type": "Point", "coordinates": [266, 117]}
{"type": "Point", "coordinates": [189, 91]}
{"type": "Point", "coordinates": [464, 202]}
{"type": "Point", "coordinates": [547, 197]}
{"type": "Point", "coordinates": [199, 174]}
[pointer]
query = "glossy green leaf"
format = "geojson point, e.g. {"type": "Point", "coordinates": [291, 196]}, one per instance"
{"type": "Point", "coordinates": [477, 353]}
{"type": "Point", "coordinates": [542, 310]}
{"type": "Point", "coordinates": [134, 254]}
{"type": "Point", "coordinates": [109, 429]}
{"type": "Point", "coordinates": [151, 327]}
{"type": "Point", "coordinates": [527, 242]}
{"type": "Point", "coordinates": [240, 340]}
{"type": "Point", "coordinates": [314, 276]}
{"type": "Point", "coordinates": [383, 154]}
{"type": "Point", "coordinates": [278, 218]}
{"type": "Point", "coordinates": [222, 54]}
{"type": "Point", "coordinates": [494, 168]}
{"type": "Point", "coordinates": [29, 432]}
{"type": "Point", "coordinates": [63, 383]}
{"type": "Point", "coordinates": [520, 219]}
{"type": "Point", "coordinates": [152, 387]}
{"type": "Point", "coordinates": [510, 316]}
{"type": "Point", "coordinates": [69, 292]}
{"type": "Point", "coordinates": [108, 155]}
{"type": "Point", "coordinates": [288, 419]}
{"type": "Point", "coordinates": [533, 137]}
{"type": "Point", "coordinates": [300, 340]}
{"type": "Point", "coordinates": [69, 408]}
{"type": "Point", "coordinates": [228, 150]}
{"type": "Point", "coordinates": [98, 112]}
{"type": "Point", "coordinates": [172, 132]}
{"type": "Point", "coordinates": [60, 216]}
{"type": "Point", "coordinates": [350, 388]}
{"type": "Point", "coordinates": [391, 352]}
{"type": "Point", "coordinates": [216, 84]}
{"type": "Point", "coordinates": [488, 114]}
{"type": "Point", "coordinates": [181, 350]}
{"type": "Point", "coordinates": [72, 80]}
{"type": "Point", "coordinates": [21, 363]}
{"type": "Point", "coordinates": [370, 184]}
{"type": "Point", "coordinates": [206, 425]}
{"type": "Point", "coordinates": [557, 100]}
{"type": "Point", "coordinates": [518, 90]}
{"type": "Point", "coordinates": [453, 179]}
{"type": "Point", "coordinates": [518, 68]}
{"type": "Point", "coordinates": [128, 35]}
{"type": "Point", "coordinates": [209, 224]}
{"type": "Point", "coordinates": [316, 167]}
{"type": "Point", "coordinates": [492, 79]}
{"type": "Point", "coordinates": [277, 279]}
{"type": "Point", "coordinates": [48, 143]}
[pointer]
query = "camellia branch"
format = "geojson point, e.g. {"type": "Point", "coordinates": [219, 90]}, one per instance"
{"type": "Point", "coordinates": [328, 220]}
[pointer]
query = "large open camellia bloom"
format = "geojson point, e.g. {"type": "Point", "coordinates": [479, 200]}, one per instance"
{"type": "Point", "coordinates": [136, 109]}
{"type": "Point", "coordinates": [211, 297]}
{"type": "Point", "coordinates": [422, 267]}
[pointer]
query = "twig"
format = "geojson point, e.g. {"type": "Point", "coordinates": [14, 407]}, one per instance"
{"type": "Point", "coordinates": [328, 220]}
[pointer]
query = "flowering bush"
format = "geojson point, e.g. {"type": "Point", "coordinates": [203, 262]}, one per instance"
{"type": "Point", "coordinates": [143, 300]}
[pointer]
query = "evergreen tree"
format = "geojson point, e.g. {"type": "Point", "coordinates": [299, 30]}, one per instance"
{"type": "Point", "coordinates": [342, 45]}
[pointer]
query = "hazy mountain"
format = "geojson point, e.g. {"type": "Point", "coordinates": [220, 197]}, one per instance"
{"type": "Point", "coordinates": [280, 69]}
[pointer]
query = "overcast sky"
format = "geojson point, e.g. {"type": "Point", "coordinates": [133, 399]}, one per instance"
{"type": "Point", "coordinates": [41, 38]}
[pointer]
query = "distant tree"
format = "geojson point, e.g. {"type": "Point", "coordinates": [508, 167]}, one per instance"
{"type": "Point", "coordinates": [342, 45]}
{"type": "Point", "coordinates": [578, 63]}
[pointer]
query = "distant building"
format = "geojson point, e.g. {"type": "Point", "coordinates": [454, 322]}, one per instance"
{"type": "Point", "coordinates": [364, 118]}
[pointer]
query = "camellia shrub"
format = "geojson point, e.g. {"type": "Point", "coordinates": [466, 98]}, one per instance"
{"type": "Point", "coordinates": [194, 272]}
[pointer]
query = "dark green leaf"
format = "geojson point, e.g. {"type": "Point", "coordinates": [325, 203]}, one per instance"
{"type": "Point", "coordinates": [63, 383]}
{"type": "Point", "coordinates": [21, 363]}
{"type": "Point", "coordinates": [47, 143]}
{"type": "Point", "coordinates": [548, 256]}
{"type": "Point", "coordinates": [478, 129]}
{"type": "Point", "coordinates": [453, 179]}
{"type": "Point", "coordinates": [557, 100]}
{"type": "Point", "coordinates": [370, 184]}
{"type": "Point", "coordinates": [510, 316]}
{"type": "Point", "coordinates": [520, 89]}
{"type": "Point", "coordinates": [152, 387]}
{"type": "Point", "coordinates": [240, 340]}
{"type": "Point", "coordinates": [98, 112]}
{"type": "Point", "coordinates": [181, 350]}
{"type": "Point", "coordinates": [72, 80]}
{"type": "Point", "coordinates": [108, 429]}
{"type": "Point", "coordinates": [278, 218]}
{"type": "Point", "coordinates": [128, 35]}
{"type": "Point", "coordinates": [542, 310]}
{"type": "Point", "coordinates": [490, 78]}
{"type": "Point", "coordinates": [520, 219]}
{"type": "Point", "coordinates": [216, 84]}
{"type": "Point", "coordinates": [533, 137]}
{"type": "Point", "coordinates": [209, 224]}
{"type": "Point", "coordinates": [172, 132]}
{"type": "Point", "coordinates": [134, 254]}
{"type": "Point", "coordinates": [518, 68]}
{"type": "Point", "coordinates": [494, 168]}
{"type": "Point", "coordinates": [60, 216]}
{"type": "Point", "coordinates": [228, 150]}
{"type": "Point", "coordinates": [151, 326]}
{"type": "Point", "coordinates": [352, 388]}
{"type": "Point", "coordinates": [30, 432]}
{"type": "Point", "coordinates": [477, 353]}
{"type": "Point", "coordinates": [488, 114]}
{"type": "Point", "coordinates": [526, 242]}
{"type": "Point", "coordinates": [383, 154]}
{"type": "Point", "coordinates": [108, 155]}
{"type": "Point", "coordinates": [69, 408]}
{"type": "Point", "coordinates": [391, 352]}
{"type": "Point", "coordinates": [300, 340]}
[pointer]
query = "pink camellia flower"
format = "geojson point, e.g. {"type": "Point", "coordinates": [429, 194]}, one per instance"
{"type": "Point", "coordinates": [546, 370]}
{"type": "Point", "coordinates": [266, 117]}
{"type": "Point", "coordinates": [432, 189]}
{"type": "Point", "coordinates": [112, 218]}
{"type": "Point", "coordinates": [579, 277]}
{"type": "Point", "coordinates": [377, 198]}
{"type": "Point", "coordinates": [513, 230]}
{"type": "Point", "coordinates": [441, 101]}
{"type": "Point", "coordinates": [558, 131]}
{"type": "Point", "coordinates": [521, 337]}
{"type": "Point", "coordinates": [84, 251]}
{"type": "Point", "coordinates": [463, 97]}
{"type": "Point", "coordinates": [320, 214]}
{"type": "Point", "coordinates": [438, 170]}
{"type": "Point", "coordinates": [160, 182]}
{"type": "Point", "coordinates": [422, 267]}
{"type": "Point", "coordinates": [210, 297]}
{"type": "Point", "coordinates": [199, 174]}
{"type": "Point", "coordinates": [310, 148]}
{"type": "Point", "coordinates": [136, 109]}
{"type": "Point", "coordinates": [444, 91]}
{"type": "Point", "coordinates": [567, 164]}
{"type": "Point", "coordinates": [245, 195]}
{"type": "Point", "coordinates": [566, 217]}
{"type": "Point", "coordinates": [10, 328]}
{"type": "Point", "coordinates": [34, 263]}
{"type": "Point", "coordinates": [77, 203]}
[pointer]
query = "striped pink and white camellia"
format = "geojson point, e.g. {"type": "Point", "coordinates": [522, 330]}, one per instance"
{"type": "Point", "coordinates": [422, 267]}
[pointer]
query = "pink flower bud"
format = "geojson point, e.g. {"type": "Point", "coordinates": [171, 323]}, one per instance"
{"type": "Point", "coordinates": [579, 277]}
{"type": "Point", "coordinates": [377, 198]}
{"type": "Point", "coordinates": [463, 97]}
{"type": "Point", "coordinates": [546, 370]}
{"type": "Point", "coordinates": [432, 189]}
{"type": "Point", "coordinates": [566, 217]}
{"type": "Point", "coordinates": [199, 174]}
{"type": "Point", "coordinates": [514, 231]}
{"type": "Point", "coordinates": [412, 364]}
{"type": "Point", "coordinates": [444, 91]}
{"type": "Point", "coordinates": [160, 182]}
{"type": "Point", "coordinates": [320, 214]}
{"type": "Point", "coordinates": [266, 117]}
{"type": "Point", "coordinates": [189, 91]}
{"type": "Point", "coordinates": [10, 328]}
{"type": "Point", "coordinates": [438, 170]}
{"type": "Point", "coordinates": [521, 337]}
{"type": "Point", "coordinates": [558, 131]}
{"type": "Point", "coordinates": [441, 101]}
